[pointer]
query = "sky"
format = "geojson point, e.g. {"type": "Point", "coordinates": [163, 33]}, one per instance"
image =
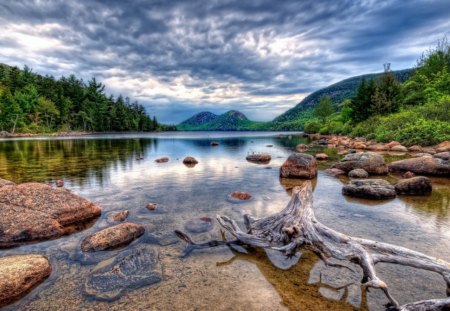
{"type": "Point", "coordinates": [178, 58]}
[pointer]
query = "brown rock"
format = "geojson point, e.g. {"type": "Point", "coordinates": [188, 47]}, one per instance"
{"type": "Point", "coordinates": [443, 147]}
{"type": "Point", "coordinates": [377, 147]}
{"type": "Point", "coordinates": [415, 148]}
{"type": "Point", "coordinates": [20, 274]}
{"type": "Point", "coordinates": [321, 156]}
{"type": "Point", "coordinates": [301, 147]}
{"type": "Point", "coordinates": [372, 163]}
{"type": "Point", "coordinates": [408, 174]}
{"type": "Point", "coordinates": [359, 145]}
{"type": "Point", "coordinates": [112, 237]}
{"type": "Point", "coordinates": [259, 158]}
{"type": "Point", "coordinates": [422, 166]}
{"type": "Point", "coordinates": [392, 144]}
{"type": "Point", "coordinates": [119, 216]}
{"type": "Point", "coordinates": [419, 185]}
{"type": "Point", "coordinates": [59, 183]}
{"type": "Point", "coordinates": [151, 206]}
{"type": "Point", "coordinates": [443, 155]}
{"type": "Point", "coordinates": [190, 160]}
{"type": "Point", "coordinates": [35, 211]}
{"type": "Point", "coordinates": [299, 165]}
{"type": "Point", "coordinates": [429, 150]}
{"type": "Point", "coordinates": [358, 173]}
{"type": "Point", "coordinates": [162, 160]}
{"type": "Point", "coordinates": [422, 154]}
{"type": "Point", "coordinates": [241, 195]}
{"type": "Point", "coordinates": [4, 182]}
{"type": "Point", "coordinates": [334, 171]}
{"type": "Point", "coordinates": [399, 148]}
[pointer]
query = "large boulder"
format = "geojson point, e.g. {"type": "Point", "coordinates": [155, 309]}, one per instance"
{"type": "Point", "coordinates": [35, 211]}
{"type": "Point", "coordinates": [422, 166]}
{"type": "Point", "coordinates": [131, 269]}
{"type": "Point", "coordinates": [20, 274]}
{"type": "Point", "coordinates": [112, 237]}
{"type": "Point", "coordinates": [299, 165]}
{"type": "Point", "coordinates": [377, 189]}
{"type": "Point", "coordinates": [199, 225]}
{"type": "Point", "coordinates": [419, 185]}
{"type": "Point", "coordinates": [372, 163]}
{"type": "Point", "coordinates": [443, 155]}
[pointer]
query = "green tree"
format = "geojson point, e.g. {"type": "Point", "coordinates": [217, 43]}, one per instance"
{"type": "Point", "coordinates": [386, 98]}
{"type": "Point", "coordinates": [362, 101]}
{"type": "Point", "coordinates": [46, 111]}
{"type": "Point", "coordinates": [324, 108]}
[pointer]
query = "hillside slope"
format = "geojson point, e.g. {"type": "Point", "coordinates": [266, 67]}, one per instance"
{"type": "Point", "coordinates": [337, 92]}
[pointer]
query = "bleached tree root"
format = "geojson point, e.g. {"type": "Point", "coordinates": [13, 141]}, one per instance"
{"type": "Point", "coordinates": [295, 228]}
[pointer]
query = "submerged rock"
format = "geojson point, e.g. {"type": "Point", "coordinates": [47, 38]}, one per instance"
{"type": "Point", "coordinates": [131, 269]}
{"type": "Point", "coordinates": [190, 161]}
{"type": "Point", "coordinates": [35, 211]}
{"type": "Point", "coordinates": [199, 225]}
{"type": "Point", "coordinates": [162, 160]}
{"type": "Point", "coordinates": [259, 158]}
{"type": "Point", "coordinates": [372, 163]}
{"type": "Point", "coordinates": [214, 143]}
{"type": "Point", "coordinates": [419, 185]}
{"type": "Point", "coordinates": [377, 189]}
{"type": "Point", "coordinates": [112, 237]}
{"type": "Point", "coordinates": [334, 171]}
{"type": "Point", "coordinates": [241, 195]}
{"type": "Point", "coordinates": [422, 166]}
{"type": "Point", "coordinates": [118, 216]}
{"type": "Point", "coordinates": [299, 165]}
{"type": "Point", "coordinates": [358, 173]}
{"type": "Point", "coordinates": [151, 206]}
{"type": "Point", "coordinates": [20, 274]}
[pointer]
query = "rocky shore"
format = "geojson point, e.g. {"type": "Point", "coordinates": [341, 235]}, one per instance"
{"type": "Point", "coordinates": [4, 134]}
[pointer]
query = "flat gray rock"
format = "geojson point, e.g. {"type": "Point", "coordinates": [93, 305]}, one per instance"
{"type": "Point", "coordinates": [376, 189]}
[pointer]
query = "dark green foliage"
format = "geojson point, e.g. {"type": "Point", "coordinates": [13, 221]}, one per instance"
{"type": "Point", "coordinates": [362, 102]}
{"type": "Point", "coordinates": [324, 108]}
{"type": "Point", "coordinates": [33, 103]}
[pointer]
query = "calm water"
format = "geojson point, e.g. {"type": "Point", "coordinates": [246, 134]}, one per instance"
{"type": "Point", "coordinates": [104, 169]}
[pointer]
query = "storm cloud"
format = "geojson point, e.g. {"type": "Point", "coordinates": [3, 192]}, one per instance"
{"type": "Point", "coordinates": [182, 57]}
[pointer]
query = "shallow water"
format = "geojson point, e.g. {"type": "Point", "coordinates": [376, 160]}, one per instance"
{"type": "Point", "coordinates": [104, 169]}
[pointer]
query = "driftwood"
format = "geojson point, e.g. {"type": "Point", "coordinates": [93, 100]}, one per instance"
{"type": "Point", "coordinates": [295, 228]}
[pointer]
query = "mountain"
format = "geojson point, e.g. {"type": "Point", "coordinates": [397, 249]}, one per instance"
{"type": "Point", "coordinates": [337, 92]}
{"type": "Point", "coordinates": [229, 121]}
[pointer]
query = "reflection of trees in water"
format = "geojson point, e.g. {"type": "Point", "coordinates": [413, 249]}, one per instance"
{"type": "Point", "coordinates": [294, 285]}
{"type": "Point", "coordinates": [44, 160]}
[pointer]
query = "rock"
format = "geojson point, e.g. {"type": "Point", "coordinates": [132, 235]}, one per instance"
{"type": "Point", "coordinates": [241, 195]}
{"type": "Point", "coordinates": [422, 166]}
{"type": "Point", "coordinates": [259, 158]}
{"type": "Point", "coordinates": [408, 174]}
{"type": "Point", "coordinates": [443, 155]}
{"type": "Point", "coordinates": [334, 171]}
{"type": "Point", "coordinates": [377, 189]}
{"type": "Point", "coordinates": [59, 183]}
{"type": "Point", "coordinates": [151, 206]}
{"type": "Point", "coordinates": [358, 173]}
{"type": "Point", "coordinates": [20, 274]}
{"type": "Point", "coordinates": [377, 147]}
{"type": "Point", "coordinates": [4, 182]}
{"type": "Point", "coordinates": [190, 161]}
{"type": "Point", "coordinates": [352, 151]}
{"type": "Point", "coordinates": [301, 147]}
{"type": "Point", "coordinates": [392, 144]}
{"type": "Point", "coordinates": [422, 154]}
{"type": "Point", "coordinates": [419, 185]}
{"type": "Point", "coordinates": [429, 150]}
{"type": "Point", "coordinates": [112, 237]}
{"type": "Point", "coordinates": [299, 165]}
{"type": "Point", "coordinates": [162, 160]}
{"type": "Point", "coordinates": [323, 142]}
{"type": "Point", "coordinates": [131, 269]}
{"type": "Point", "coordinates": [443, 147]}
{"type": "Point", "coordinates": [35, 211]}
{"type": "Point", "coordinates": [214, 143]}
{"type": "Point", "coordinates": [372, 163]}
{"type": "Point", "coordinates": [269, 145]}
{"type": "Point", "coordinates": [118, 216]}
{"type": "Point", "coordinates": [199, 225]}
{"type": "Point", "coordinates": [359, 145]}
{"type": "Point", "coordinates": [399, 148]}
{"type": "Point", "coordinates": [321, 156]}
{"type": "Point", "coordinates": [415, 148]}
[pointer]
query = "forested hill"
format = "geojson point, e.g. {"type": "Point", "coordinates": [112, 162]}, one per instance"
{"type": "Point", "coordinates": [229, 121]}
{"type": "Point", "coordinates": [337, 92]}
{"type": "Point", "coordinates": [30, 102]}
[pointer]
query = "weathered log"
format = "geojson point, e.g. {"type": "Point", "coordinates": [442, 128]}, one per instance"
{"type": "Point", "coordinates": [295, 228]}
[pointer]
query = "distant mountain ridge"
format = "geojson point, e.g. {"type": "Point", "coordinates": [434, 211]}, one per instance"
{"type": "Point", "coordinates": [232, 120]}
{"type": "Point", "coordinates": [338, 92]}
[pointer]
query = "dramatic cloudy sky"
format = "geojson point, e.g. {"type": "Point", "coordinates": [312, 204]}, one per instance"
{"type": "Point", "coordinates": [181, 57]}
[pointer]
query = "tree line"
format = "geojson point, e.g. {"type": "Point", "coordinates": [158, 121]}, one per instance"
{"type": "Point", "coordinates": [30, 102]}
{"type": "Point", "coordinates": [414, 112]}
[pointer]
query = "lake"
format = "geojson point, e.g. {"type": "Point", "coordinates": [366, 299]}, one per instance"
{"type": "Point", "coordinates": [105, 170]}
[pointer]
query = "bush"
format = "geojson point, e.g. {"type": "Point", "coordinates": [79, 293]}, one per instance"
{"type": "Point", "coordinates": [312, 126]}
